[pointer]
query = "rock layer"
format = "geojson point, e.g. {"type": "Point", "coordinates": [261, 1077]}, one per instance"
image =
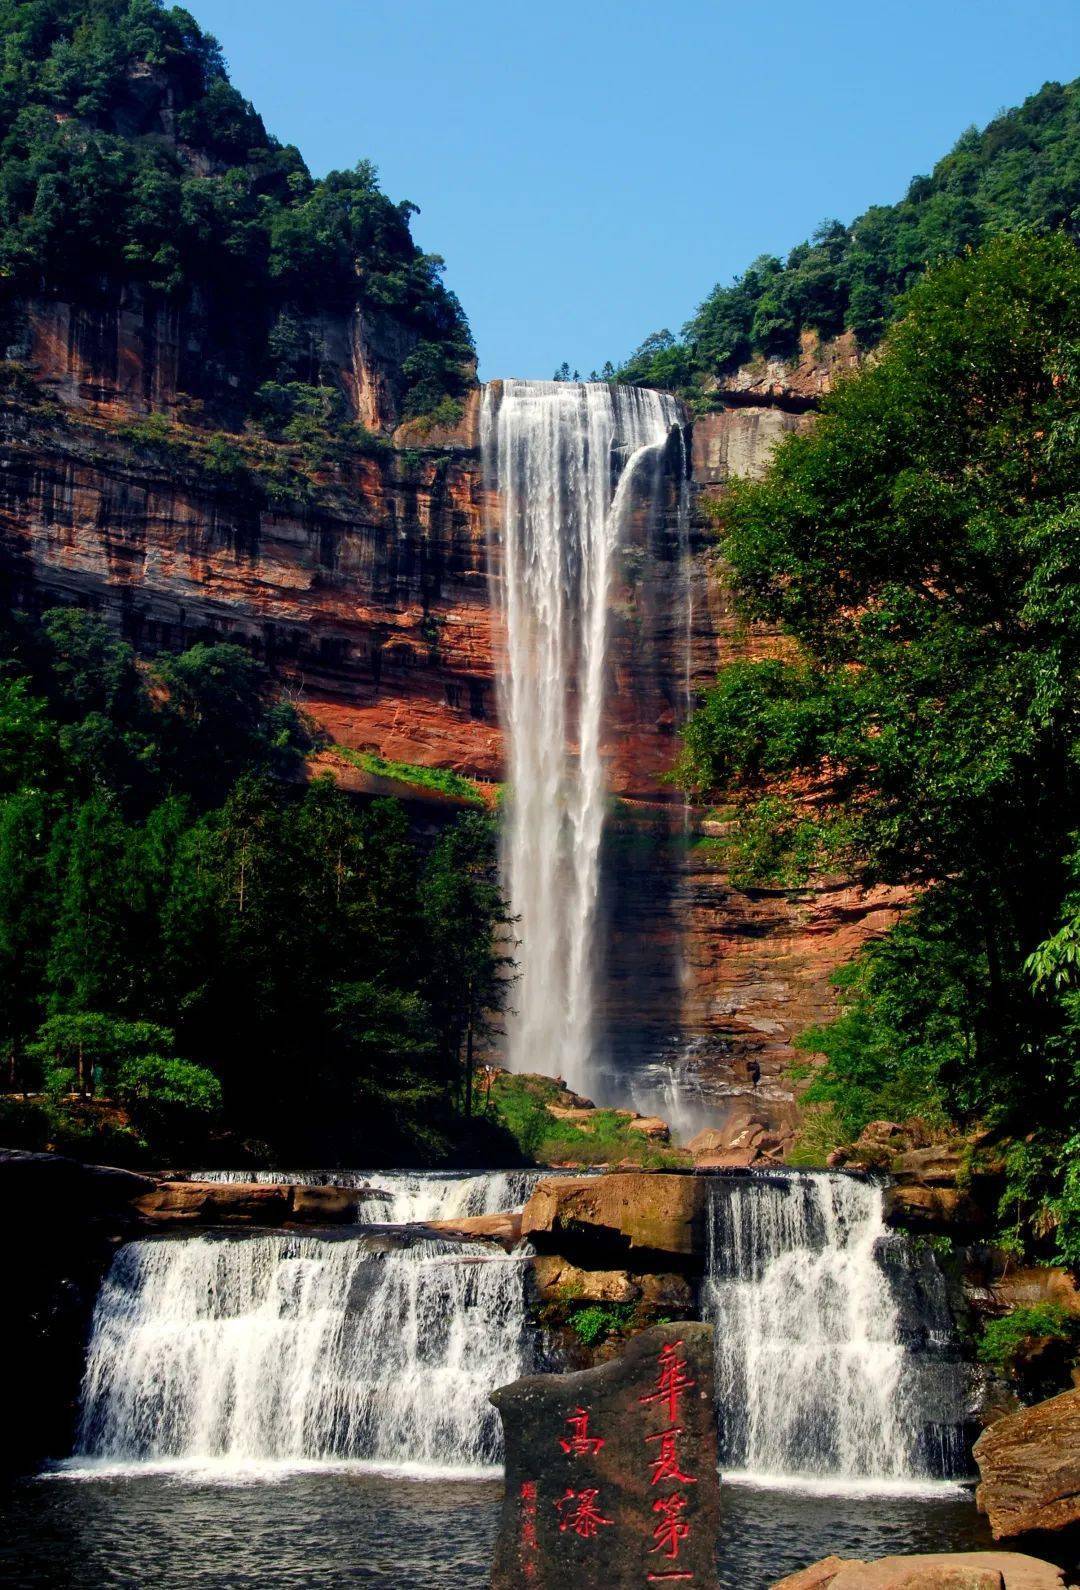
{"type": "Point", "coordinates": [1029, 1464]}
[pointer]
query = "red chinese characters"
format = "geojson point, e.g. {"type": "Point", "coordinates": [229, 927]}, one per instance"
{"type": "Point", "coordinates": [578, 1511]}
{"type": "Point", "coordinates": [672, 1380]}
{"type": "Point", "coordinates": [666, 1465]}
{"type": "Point", "coordinates": [671, 1529]}
{"type": "Point", "coordinates": [530, 1545]}
{"type": "Point", "coordinates": [580, 1443]}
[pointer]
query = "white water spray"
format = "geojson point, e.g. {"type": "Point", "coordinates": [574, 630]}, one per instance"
{"type": "Point", "coordinates": [570, 461]}
{"type": "Point", "coordinates": [286, 1348]}
{"type": "Point", "coordinates": [817, 1379]}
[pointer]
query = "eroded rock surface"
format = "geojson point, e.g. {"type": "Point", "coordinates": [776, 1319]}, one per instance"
{"type": "Point", "coordinates": [1029, 1464]}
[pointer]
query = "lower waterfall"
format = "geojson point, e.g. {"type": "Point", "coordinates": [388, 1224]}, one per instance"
{"type": "Point", "coordinates": [834, 1344]}
{"type": "Point", "coordinates": [284, 1347]}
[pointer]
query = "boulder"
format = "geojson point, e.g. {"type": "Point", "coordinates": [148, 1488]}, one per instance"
{"type": "Point", "coordinates": [1029, 1466]}
{"type": "Point", "coordinates": [754, 1130]}
{"type": "Point", "coordinates": [611, 1473]}
{"type": "Point", "coordinates": [654, 1216]}
{"type": "Point", "coordinates": [651, 1127]}
{"type": "Point", "coordinates": [965, 1570]}
{"type": "Point", "coordinates": [216, 1203]}
{"type": "Point", "coordinates": [993, 1285]}
{"type": "Point", "coordinates": [46, 1181]}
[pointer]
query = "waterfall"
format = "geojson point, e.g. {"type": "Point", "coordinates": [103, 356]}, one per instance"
{"type": "Point", "coordinates": [569, 461]}
{"type": "Point", "coordinates": [287, 1347]}
{"type": "Point", "coordinates": [834, 1343]}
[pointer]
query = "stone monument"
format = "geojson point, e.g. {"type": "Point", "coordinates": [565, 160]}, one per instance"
{"type": "Point", "coordinates": [611, 1473]}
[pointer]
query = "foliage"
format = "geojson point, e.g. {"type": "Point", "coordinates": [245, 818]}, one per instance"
{"type": "Point", "coordinates": [593, 1323]}
{"type": "Point", "coordinates": [1004, 1340]}
{"type": "Point", "coordinates": [1021, 173]}
{"type": "Point", "coordinates": [127, 156]}
{"type": "Point", "coordinates": [190, 930]}
{"type": "Point", "coordinates": [919, 549]}
{"type": "Point", "coordinates": [441, 779]}
{"type": "Point", "coordinates": [520, 1103]}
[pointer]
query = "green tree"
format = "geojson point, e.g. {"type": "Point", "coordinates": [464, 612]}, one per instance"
{"type": "Point", "coordinates": [919, 546]}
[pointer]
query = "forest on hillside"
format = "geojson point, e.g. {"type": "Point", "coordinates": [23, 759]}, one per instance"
{"type": "Point", "coordinates": [1021, 173]}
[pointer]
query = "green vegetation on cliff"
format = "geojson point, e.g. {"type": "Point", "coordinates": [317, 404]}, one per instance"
{"type": "Point", "coordinates": [126, 156]}
{"type": "Point", "coordinates": [195, 940]}
{"type": "Point", "coordinates": [1022, 172]}
{"type": "Point", "coordinates": [920, 548]}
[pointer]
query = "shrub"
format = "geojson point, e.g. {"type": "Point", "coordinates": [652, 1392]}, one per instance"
{"type": "Point", "coordinates": [1005, 1340]}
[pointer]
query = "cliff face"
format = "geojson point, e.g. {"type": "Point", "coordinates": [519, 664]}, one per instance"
{"type": "Point", "coordinates": [370, 601]}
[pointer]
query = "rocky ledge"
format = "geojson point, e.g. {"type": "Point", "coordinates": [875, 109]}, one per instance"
{"type": "Point", "coordinates": [967, 1570]}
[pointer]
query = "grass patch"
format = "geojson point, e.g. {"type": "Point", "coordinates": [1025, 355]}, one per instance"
{"type": "Point", "coordinates": [520, 1104]}
{"type": "Point", "coordinates": [819, 1132]}
{"type": "Point", "coordinates": [439, 779]}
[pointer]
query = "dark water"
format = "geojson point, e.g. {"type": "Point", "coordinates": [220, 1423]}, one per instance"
{"type": "Point", "coordinates": [327, 1530]}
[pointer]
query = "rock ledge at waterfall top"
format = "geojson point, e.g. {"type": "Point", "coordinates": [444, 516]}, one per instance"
{"type": "Point", "coordinates": [1029, 1464]}
{"type": "Point", "coordinates": [965, 1570]}
{"type": "Point", "coordinates": [214, 1203]}
{"type": "Point", "coordinates": [655, 1218]}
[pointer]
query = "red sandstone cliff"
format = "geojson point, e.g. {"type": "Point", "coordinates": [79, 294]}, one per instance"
{"type": "Point", "coordinates": [370, 601]}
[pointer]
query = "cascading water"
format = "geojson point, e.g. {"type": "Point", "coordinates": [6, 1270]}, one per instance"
{"type": "Point", "coordinates": [819, 1375]}
{"type": "Point", "coordinates": [569, 461]}
{"type": "Point", "coordinates": [302, 1348]}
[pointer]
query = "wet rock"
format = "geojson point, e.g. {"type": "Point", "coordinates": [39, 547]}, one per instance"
{"type": "Point", "coordinates": [967, 1570]}
{"type": "Point", "coordinates": [656, 1217]}
{"type": "Point", "coordinates": [503, 1228]}
{"type": "Point", "coordinates": [1029, 1463]}
{"type": "Point", "coordinates": [611, 1473]}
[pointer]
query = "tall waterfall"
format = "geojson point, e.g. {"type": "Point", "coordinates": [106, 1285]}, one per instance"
{"type": "Point", "coordinates": [570, 461]}
{"type": "Point", "coordinates": [289, 1347]}
{"type": "Point", "coordinates": [833, 1364]}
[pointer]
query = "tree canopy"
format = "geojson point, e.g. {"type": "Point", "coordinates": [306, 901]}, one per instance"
{"type": "Point", "coordinates": [126, 155]}
{"type": "Point", "coordinates": [1022, 172]}
{"type": "Point", "coordinates": [189, 929]}
{"type": "Point", "coordinates": [919, 546]}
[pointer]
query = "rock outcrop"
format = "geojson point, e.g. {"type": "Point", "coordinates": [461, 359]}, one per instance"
{"type": "Point", "coordinates": [652, 1219]}
{"type": "Point", "coordinates": [369, 600]}
{"type": "Point", "coordinates": [1029, 1463]}
{"type": "Point", "coordinates": [966, 1570]}
{"type": "Point", "coordinates": [216, 1203]}
{"type": "Point", "coordinates": [64, 1223]}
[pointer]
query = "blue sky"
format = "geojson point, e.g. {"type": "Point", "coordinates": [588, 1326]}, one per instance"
{"type": "Point", "coordinates": [589, 170]}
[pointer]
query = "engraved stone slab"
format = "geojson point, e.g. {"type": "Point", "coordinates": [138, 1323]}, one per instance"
{"type": "Point", "coordinates": [611, 1474]}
